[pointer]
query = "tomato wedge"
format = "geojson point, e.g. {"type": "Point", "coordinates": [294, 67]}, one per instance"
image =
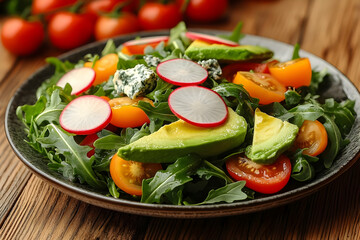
{"type": "Point", "coordinates": [104, 67]}
{"type": "Point", "coordinates": [260, 178]}
{"type": "Point", "coordinates": [262, 86]}
{"type": "Point", "coordinates": [138, 46]}
{"type": "Point", "coordinates": [89, 141]}
{"type": "Point", "coordinates": [313, 137]}
{"type": "Point", "coordinates": [230, 70]}
{"type": "Point", "coordinates": [125, 112]}
{"type": "Point", "coordinates": [294, 73]}
{"type": "Point", "coordinates": [128, 175]}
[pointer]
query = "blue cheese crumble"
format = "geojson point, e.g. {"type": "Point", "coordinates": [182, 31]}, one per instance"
{"type": "Point", "coordinates": [151, 60]}
{"type": "Point", "coordinates": [134, 81]}
{"type": "Point", "coordinates": [213, 68]}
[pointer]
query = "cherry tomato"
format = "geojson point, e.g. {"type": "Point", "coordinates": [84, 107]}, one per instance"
{"type": "Point", "coordinates": [138, 46]}
{"type": "Point", "coordinates": [128, 175]}
{"type": "Point", "coordinates": [205, 10]}
{"type": "Point", "coordinates": [294, 73]}
{"type": "Point", "coordinates": [47, 6]}
{"type": "Point", "coordinates": [89, 141]}
{"type": "Point", "coordinates": [104, 67]}
{"type": "Point", "coordinates": [230, 70]}
{"type": "Point", "coordinates": [313, 137]}
{"type": "Point", "coordinates": [95, 8]}
{"type": "Point", "coordinates": [126, 114]}
{"type": "Point", "coordinates": [262, 86]}
{"type": "Point", "coordinates": [260, 178]}
{"type": "Point", "coordinates": [21, 37]}
{"type": "Point", "coordinates": [108, 27]}
{"type": "Point", "coordinates": [70, 30]}
{"type": "Point", "coordinates": [159, 16]}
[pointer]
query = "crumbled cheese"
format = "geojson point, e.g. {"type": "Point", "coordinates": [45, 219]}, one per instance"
{"type": "Point", "coordinates": [134, 81]}
{"type": "Point", "coordinates": [213, 67]}
{"type": "Point", "coordinates": [151, 60]}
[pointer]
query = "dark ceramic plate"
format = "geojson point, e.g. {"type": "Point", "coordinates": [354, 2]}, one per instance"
{"type": "Point", "coordinates": [341, 87]}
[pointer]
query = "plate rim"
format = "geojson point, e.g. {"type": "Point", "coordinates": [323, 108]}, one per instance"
{"type": "Point", "coordinates": [165, 210]}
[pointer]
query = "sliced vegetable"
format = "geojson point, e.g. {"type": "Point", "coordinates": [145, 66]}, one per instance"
{"type": "Point", "coordinates": [199, 106]}
{"type": "Point", "coordinates": [125, 112]}
{"type": "Point", "coordinates": [181, 72]}
{"type": "Point", "coordinates": [230, 70]}
{"type": "Point", "coordinates": [313, 137]}
{"type": "Point", "coordinates": [128, 175]}
{"type": "Point", "coordinates": [85, 115]}
{"type": "Point", "coordinates": [137, 46]}
{"type": "Point", "coordinates": [260, 178]}
{"type": "Point", "coordinates": [80, 80]}
{"type": "Point", "coordinates": [89, 141]}
{"type": "Point", "coordinates": [210, 39]}
{"type": "Point", "coordinates": [262, 86]}
{"type": "Point", "coordinates": [104, 67]}
{"type": "Point", "coordinates": [294, 73]}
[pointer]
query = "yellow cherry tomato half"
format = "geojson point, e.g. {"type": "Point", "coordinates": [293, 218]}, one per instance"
{"type": "Point", "coordinates": [313, 137]}
{"type": "Point", "coordinates": [125, 112]}
{"type": "Point", "coordinates": [128, 175]}
{"type": "Point", "coordinates": [262, 86]}
{"type": "Point", "coordinates": [294, 73]}
{"type": "Point", "coordinates": [104, 67]}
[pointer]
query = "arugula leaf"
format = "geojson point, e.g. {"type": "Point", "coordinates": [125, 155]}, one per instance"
{"type": "Point", "coordinates": [167, 180]}
{"type": "Point", "coordinates": [54, 137]}
{"type": "Point", "coordinates": [208, 170]}
{"type": "Point", "coordinates": [307, 111]}
{"type": "Point", "coordinates": [112, 188]}
{"type": "Point", "coordinates": [229, 193]}
{"type": "Point", "coordinates": [177, 39]}
{"type": "Point", "coordinates": [292, 98]}
{"type": "Point", "coordinates": [27, 112]}
{"type": "Point", "coordinates": [161, 92]}
{"type": "Point", "coordinates": [109, 48]}
{"type": "Point", "coordinates": [160, 112]}
{"type": "Point", "coordinates": [53, 109]}
{"type": "Point", "coordinates": [302, 169]}
{"type": "Point", "coordinates": [236, 34]}
{"type": "Point", "coordinates": [317, 78]}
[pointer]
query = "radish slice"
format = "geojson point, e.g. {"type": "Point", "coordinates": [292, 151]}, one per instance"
{"type": "Point", "coordinates": [80, 79]}
{"type": "Point", "coordinates": [198, 106]}
{"type": "Point", "coordinates": [146, 40]}
{"type": "Point", "coordinates": [181, 72]}
{"type": "Point", "coordinates": [85, 115]}
{"type": "Point", "coordinates": [210, 39]}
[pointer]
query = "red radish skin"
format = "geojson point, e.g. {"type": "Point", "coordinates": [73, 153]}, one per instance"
{"type": "Point", "coordinates": [181, 72]}
{"type": "Point", "coordinates": [210, 39]}
{"type": "Point", "coordinates": [198, 106]}
{"type": "Point", "coordinates": [80, 79]}
{"type": "Point", "coordinates": [85, 115]}
{"type": "Point", "coordinates": [146, 40]}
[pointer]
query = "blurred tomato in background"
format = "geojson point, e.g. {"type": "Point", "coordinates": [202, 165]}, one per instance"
{"type": "Point", "coordinates": [47, 6]}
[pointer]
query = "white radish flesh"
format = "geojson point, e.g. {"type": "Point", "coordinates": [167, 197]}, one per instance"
{"type": "Point", "coordinates": [80, 80]}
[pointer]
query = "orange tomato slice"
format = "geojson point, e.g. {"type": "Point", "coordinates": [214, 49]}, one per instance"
{"type": "Point", "coordinates": [294, 73]}
{"type": "Point", "coordinates": [104, 67]}
{"type": "Point", "coordinates": [262, 86]}
{"type": "Point", "coordinates": [313, 137]}
{"type": "Point", "coordinates": [128, 175]}
{"type": "Point", "coordinates": [125, 112]}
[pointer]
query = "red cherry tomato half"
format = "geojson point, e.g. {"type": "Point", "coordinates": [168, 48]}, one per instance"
{"type": "Point", "coordinates": [21, 37]}
{"type": "Point", "coordinates": [128, 175]}
{"type": "Point", "coordinates": [70, 30]}
{"type": "Point", "coordinates": [159, 16]}
{"type": "Point", "coordinates": [108, 27]}
{"type": "Point", "coordinates": [47, 6]}
{"type": "Point", "coordinates": [89, 141]}
{"type": "Point", "coordinates": [230, 70]}
{"type": "Point", "coordinates": [260, 178]}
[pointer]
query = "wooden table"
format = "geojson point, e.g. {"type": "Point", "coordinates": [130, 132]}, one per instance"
{"type": "Point", "coordinates": [32, 209]}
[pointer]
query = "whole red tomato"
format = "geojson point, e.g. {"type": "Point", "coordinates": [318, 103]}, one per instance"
{"type": "Point", "coordinates": [22, 37]}
{"type": "Point", "coordinates": [46, 6]}
{"type": "Point", "coordinates": [102, 6]}
{"type": "Point", "coordinates": [108, 27]}
{"type": "Point", "coordinates": [159, 16]}
{"type": "Point", "coordinates": [205, 10]}
{"type": "Point", "coordinates": [69, 30]}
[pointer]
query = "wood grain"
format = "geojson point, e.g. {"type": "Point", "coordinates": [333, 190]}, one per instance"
{"type": "Point", "coordinates": [32, 209]}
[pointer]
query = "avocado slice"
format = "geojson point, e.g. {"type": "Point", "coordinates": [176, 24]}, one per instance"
{"type": "Point", "coordinates": [180, 138]}
{"type": "Point", "coordinates": [272, 137]}
{"type": "Point", "coordinates": [199, 50]}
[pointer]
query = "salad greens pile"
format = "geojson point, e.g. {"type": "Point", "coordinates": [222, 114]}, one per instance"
{"type": "Point", "coordinates": [191, 179]}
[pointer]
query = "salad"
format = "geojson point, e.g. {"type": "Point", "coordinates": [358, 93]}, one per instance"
{"type": "Point", "coordinates": [187, 119]}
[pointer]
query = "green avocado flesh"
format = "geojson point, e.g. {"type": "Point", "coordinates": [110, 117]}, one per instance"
{"type": "Point", "coordinates": [180, 138]}
{"type": "Point", "coordinates": [272, 137]}
{"type": "Point", "coordinates": [199, 50]}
